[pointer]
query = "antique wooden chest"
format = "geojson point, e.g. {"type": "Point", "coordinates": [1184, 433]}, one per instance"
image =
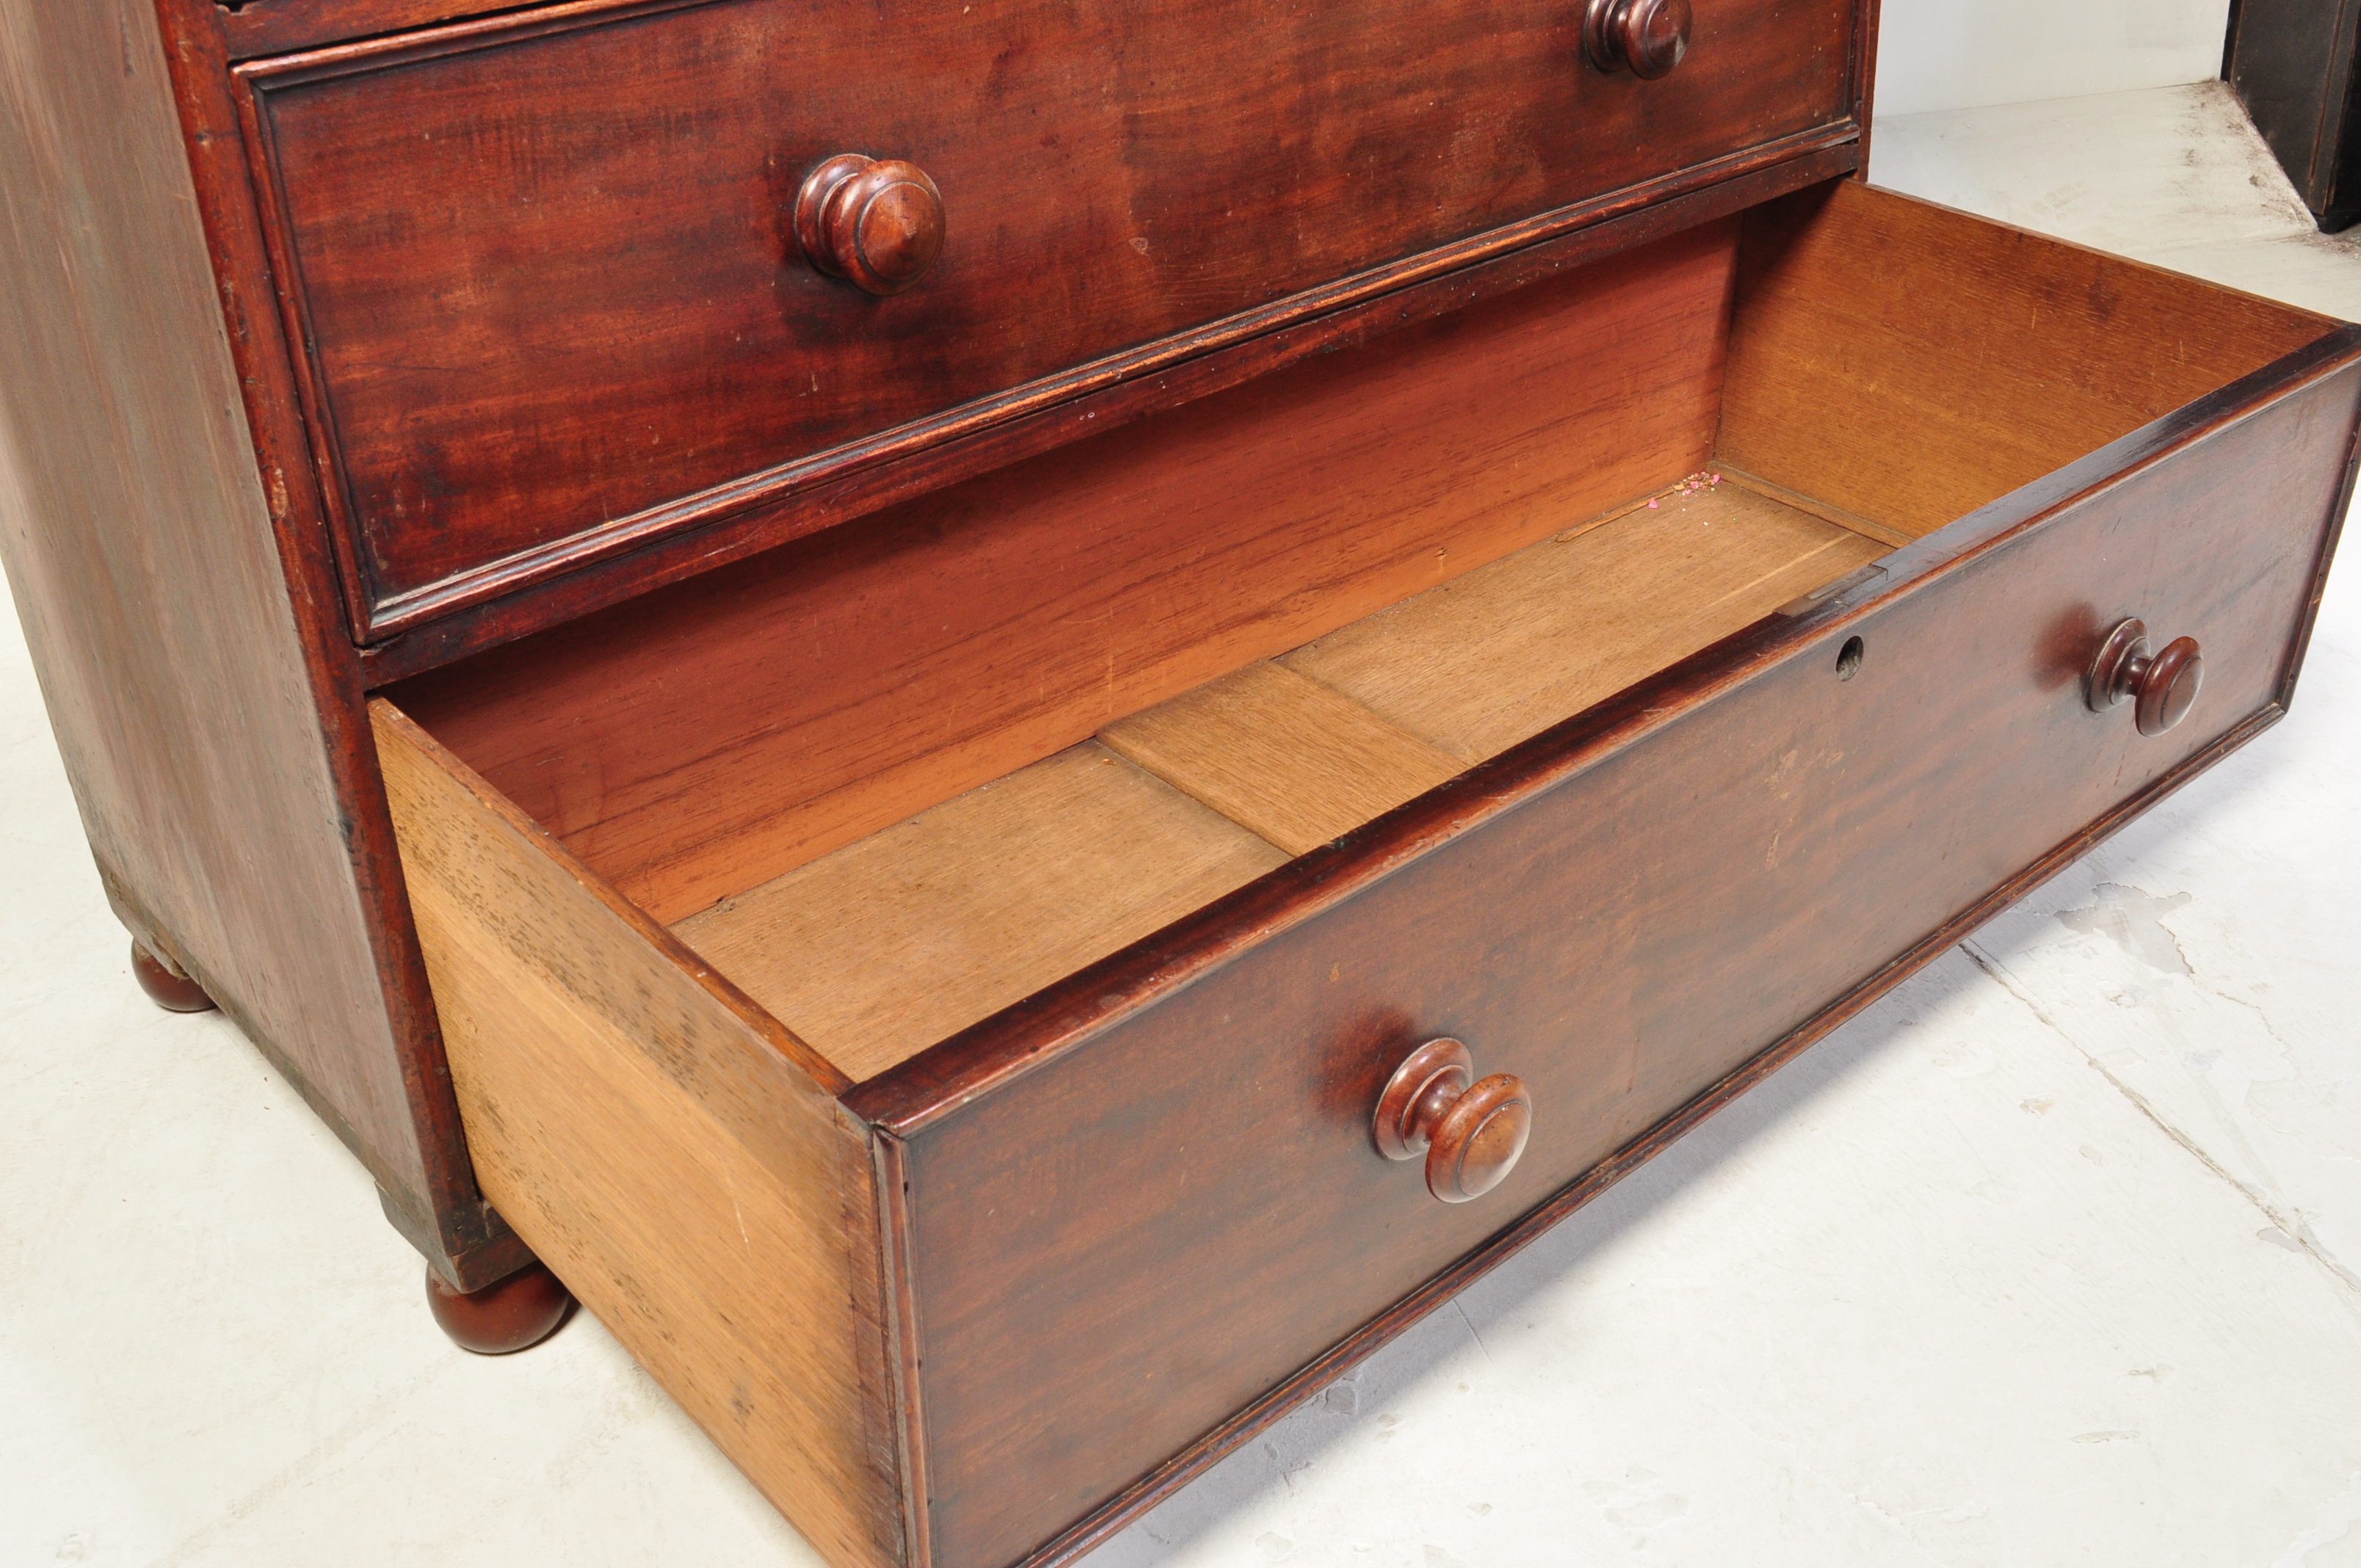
{"type": "Point", "coordinates": [1013, 721]}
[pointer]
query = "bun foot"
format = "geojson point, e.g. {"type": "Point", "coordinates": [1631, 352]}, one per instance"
{"type": "Point", "coordinates": [511, 1315]}
{"type": "Point", "coordinates": [165, 984]}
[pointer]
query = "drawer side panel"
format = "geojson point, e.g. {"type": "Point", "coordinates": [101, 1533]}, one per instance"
{"type": "Point", "coordinates": [1115, 1250]}
{"type": "Point", "coordinates": [655, 1140]}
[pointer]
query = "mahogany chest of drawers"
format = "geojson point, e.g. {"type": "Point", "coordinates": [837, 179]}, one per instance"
{"type": "Point", "coordinates": [1013, 721]}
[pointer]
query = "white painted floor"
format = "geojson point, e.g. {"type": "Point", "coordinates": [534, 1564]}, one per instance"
{"type": "Point", "coordinates": [2048, 1259]}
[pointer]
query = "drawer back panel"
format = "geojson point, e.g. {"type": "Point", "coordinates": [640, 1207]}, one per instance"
{"type": "Point", "coordinates": [714, 735]}
{"type": "Point", "coordinates": [1858, 312]}
{"type": "Point", "coordinates": [549, 278]}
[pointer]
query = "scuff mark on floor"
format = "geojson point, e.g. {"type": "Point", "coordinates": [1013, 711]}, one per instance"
{"type": "Point", "coordinates": [2335, 1541]}
{"type": "Point", "coordinates": [368, 1423]}
{"type": "Point", "coordinates": [2133, 918]}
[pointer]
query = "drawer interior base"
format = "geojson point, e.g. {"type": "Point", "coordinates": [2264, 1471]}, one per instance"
{"type": "Point", "coordinates": [873, 952]}
{"type": "Point", "coordinates": [894, 777]}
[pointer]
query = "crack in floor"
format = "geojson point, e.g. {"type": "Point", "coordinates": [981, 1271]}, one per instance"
{"type": "Point", "coordinates": [367, 1422]}
{"type": "Point", "coordinates": [1462, 1308]}
{"type": "Point", "coordinates": [2288, 1220]}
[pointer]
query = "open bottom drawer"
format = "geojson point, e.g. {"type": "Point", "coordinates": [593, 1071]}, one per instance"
{"type": "Point", "coordinates": [977, 1137]}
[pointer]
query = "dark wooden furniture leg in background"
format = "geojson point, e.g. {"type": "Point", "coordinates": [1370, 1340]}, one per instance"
{"type": "Point", "coordinates": [2290, 62]}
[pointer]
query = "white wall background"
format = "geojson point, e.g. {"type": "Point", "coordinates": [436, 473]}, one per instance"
{"type": "Point", "coordinates": [1963, 54]}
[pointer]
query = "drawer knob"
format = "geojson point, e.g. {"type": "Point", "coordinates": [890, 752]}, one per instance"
{"type": "Point", "coordinates": [1471, 1133]}
{"type": "Point", "coordinates": [878, 222]}
{"type": "Point", "coordinates": [2161, 685]}
{"type": "Point", "coordinates": [1646, 38]}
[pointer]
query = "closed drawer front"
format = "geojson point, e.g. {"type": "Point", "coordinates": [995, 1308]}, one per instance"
{"type": "Point", "coordinates": [550, 280]}
{"type": "Point", "coordinates": [1068, 1083]}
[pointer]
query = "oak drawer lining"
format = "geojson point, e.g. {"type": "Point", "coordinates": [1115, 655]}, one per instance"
{"type": "Point", "coordinates": [876, 950]}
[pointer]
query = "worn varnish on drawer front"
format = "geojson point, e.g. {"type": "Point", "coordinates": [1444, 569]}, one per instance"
{"type": "Point", "coordinates": [549, 278]}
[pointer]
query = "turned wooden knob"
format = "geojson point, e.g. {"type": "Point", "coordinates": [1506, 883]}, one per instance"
{"type": "Point", "coordinates": [1646, 38]}
{"type": "Point", "coordinates": [1471, 1133]}
{"type": "Point", "coordinates": [2161, 685]}
{"type": "Point", "coordinates": [878, 222]}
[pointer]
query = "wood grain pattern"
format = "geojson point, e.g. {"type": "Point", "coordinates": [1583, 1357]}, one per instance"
{"type": "Point", "coordinates": [588, 305]}
{"type": "Point", "coordinates": [184, 624]}
{"type": "Point", "coordinates": [875, 952]}
{"type": "Point", "coordinates": [1101, 1524]}
{"type": "Point", "coordinates": [545, 588]}
{"type": "Point", "coordinates": [1621, 913]}
{"type": "Point", "coordinates": [1851, 521]}
{"type": "Point", "coordinates": [1856, 315]}
{"type": "Point", "coordinates": [881, 948]}
{"type": "Point", "coordinates": [1287, 758]}
{"type": "Point", "coordinates": [1864, 79]}
{"type": "Point", "coordinates": [276, 26]}
{"type": "Point", "coordinates": [1150, 1211]}
{"type": "Point", "coordinates": [1476, 665]}
{"type": "Point", "coordinates": [855, 678]}
{"type": "Point", "coordinates": [679, 1160]}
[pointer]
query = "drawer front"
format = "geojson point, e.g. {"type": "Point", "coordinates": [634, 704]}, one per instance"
{"type": "Point", "coordinates": [1115, 1251]}
{"type": "Point", "coordinates": [549, 281]}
